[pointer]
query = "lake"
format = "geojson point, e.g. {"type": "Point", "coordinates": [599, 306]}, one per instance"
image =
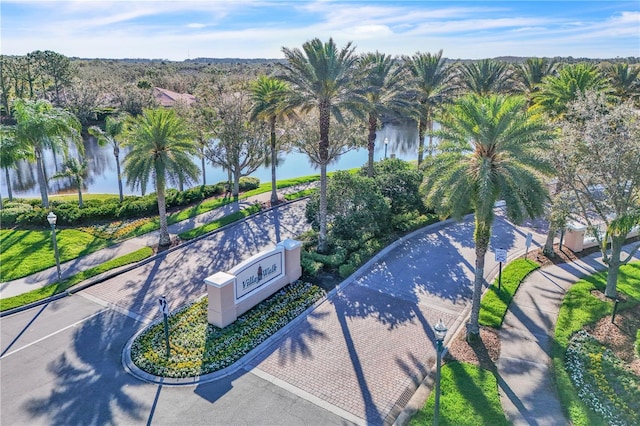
{"type": "Point", "coordinates": [102, 177]}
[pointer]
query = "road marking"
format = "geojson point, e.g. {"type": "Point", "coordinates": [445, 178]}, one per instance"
{"type": "Point", "coordinates": [54, 333]}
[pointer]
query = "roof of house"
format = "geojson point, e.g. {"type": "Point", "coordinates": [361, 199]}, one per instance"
{"type": "Point", "coordinates": [167, 98]}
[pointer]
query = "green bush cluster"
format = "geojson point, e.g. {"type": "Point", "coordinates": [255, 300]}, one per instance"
{"type": "Point", "coordinates": [364, 214]}
{"type": "Point", "coordinates": [31, 213]}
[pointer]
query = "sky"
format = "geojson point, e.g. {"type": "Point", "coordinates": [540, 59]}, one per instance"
{"type": "Point", "coordinates": [179, 30]}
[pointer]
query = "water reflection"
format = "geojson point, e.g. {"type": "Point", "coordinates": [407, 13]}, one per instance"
{"type": "Point", "coordinates": [102, 176]}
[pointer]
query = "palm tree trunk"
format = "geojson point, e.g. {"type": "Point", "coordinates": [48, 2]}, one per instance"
{"type": "Point", "coordinates": [614, 266]}
{"type": "Point", "coordinates": [42, 181]}
{"type": "Point", "coordinates": [116, 153]}
{"type": "Point", "coordinates": [482, 237]}
{"type": "Point", "coordinates": [422, 126]}
{"type": "Point", "coordinates": [430, 127]}
{"type": "Point", "coordinates": [324, 113]}
{"type": "Point", "coordinates": [373, 125]}
{"type": "Point", "coordinates": [165, 239]}
{"type": "Point", "coordinates": [204, 172]}
{"type": "Point", "coordinates": [274, 159]}
{"type": "Point", "coordinates": [322, 214]}
{"type": "Point", "coordinates": [9, 190]}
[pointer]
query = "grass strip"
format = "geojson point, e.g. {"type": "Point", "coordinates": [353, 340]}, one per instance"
{"type": "Point", "coordinates": [300, 194]}
{"type": "Point", "coordinates": [581, 308]}
{"type": "Point", "coordinates": [59, 287]}
{"type": "Point", "coordinates": [469, 396]}
{"type": "Point", "coordinates": [25, 252]}
{"type": "Point", "coordinates": [219, 223]}
{"type": "Point", "coordinates": [495, 302]}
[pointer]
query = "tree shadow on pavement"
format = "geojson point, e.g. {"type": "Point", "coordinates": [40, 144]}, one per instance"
{"type": "Point", "coordinates": [90, 387]}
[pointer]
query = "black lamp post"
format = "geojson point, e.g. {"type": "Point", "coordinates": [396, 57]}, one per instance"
{"type": "Point", "coordinates": [386, 142]}
{"type": "Point", "coordinates": [52, 218]}
{"type": "Point", "coordinates": [440, 330]}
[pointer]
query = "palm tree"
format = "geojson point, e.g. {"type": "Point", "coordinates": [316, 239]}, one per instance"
{"type": "Point", "coordinates": [40, 126]}
{"type": "Point", "coordinates": [11, 151]}
{"type": "Point", "coordinates": [430, 88]}
{"type": "Point", "coordinates": [113, 129]}
{"type": "Point", "coordinates": [624, 80]}
{"type": "Point", "coordinates": [484, 77]}
{"type": "Point", "coordinates": [489, 151]}
{"type": "Point", "coordinates": [382, 78]}
{"type": "Point", "coordinates": [161, 148]}
{"type": "Point", "coordinates": [572, 81]}
{"type": "Point", "coordinates": [529, 75]}
{"type": "Point", "coordinates": [322, 78]}
{"type": "Point", "coordinates": [75, 170]}
{"type": "Point", "coordinates": [269, 97]}
{"type": "Point", "coordinates": [553, 98]}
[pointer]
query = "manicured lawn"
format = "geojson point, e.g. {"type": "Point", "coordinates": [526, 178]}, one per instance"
{"type": "Point", "coordinates": [59, 287]}
{"type": "Point", "coordinates": [495, 303]}
{"type": "Point", "coordinates": [580, 308]}
{"type": "Point", "coordinates": [25, 252]}
{"type": "Point", "coordinates": [469, 397]}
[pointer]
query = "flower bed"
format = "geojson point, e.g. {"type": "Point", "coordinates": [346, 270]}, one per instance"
{"type": "Point", "coordinates": [602, 380]}
{"type": "Point", "coordinates": [197, 347]}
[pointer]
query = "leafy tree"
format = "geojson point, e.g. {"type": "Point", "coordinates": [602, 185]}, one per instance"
{"type": "Point", "coordinates": [355, 207]}
{"type": "Point", "coordinates": [41, 126]}
{"type": "Point", "coordinates": [600, 153]}
{"type": "Point", "coordinates": [429, 87]}
{"type": "Point", "coordinates": [240, 148]}
{"type": "Point", "coordinates": [322, 78]}
{"type": "Point", "coordinates": [56, 69]}
{"type": "Point", "coordinates": [382, 78]}
{"type": "Point", "coordinates": [399, 181]}
{"type": "Point", "coordinates": [485, 77]}
{"type": "Point", "coordinates": [75, 170]}
{"type": "Point", "coordinates": [161, 147]}
{"type": "Point", "coordinates": [269, 97]}
{"type": "Point", "coordinates": [111, 135]}
{"type": "Point", "coordinates": [489, 151]}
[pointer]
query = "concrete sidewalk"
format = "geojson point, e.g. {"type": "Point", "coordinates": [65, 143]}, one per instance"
{"type": "Point", "coordinates": [527, 390]}
{"type": "Point", "coordinates": [72, 267]}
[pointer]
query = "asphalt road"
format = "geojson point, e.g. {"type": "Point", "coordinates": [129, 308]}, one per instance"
{"type": "Point", "coordinates": [60, 363]}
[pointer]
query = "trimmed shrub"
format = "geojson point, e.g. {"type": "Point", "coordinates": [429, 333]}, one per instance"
{"type": "Point", "coordinates": [346, 270]}
{"type": "Point", "coordinates": [247, 183]}
{"type": "Point", "coordinates": [11, 211]}
{"type": "Point", "coordinates": [310, 267]}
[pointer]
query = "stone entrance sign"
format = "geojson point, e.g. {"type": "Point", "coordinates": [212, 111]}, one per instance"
{"type": "Point", "coordinates": [234, 292]}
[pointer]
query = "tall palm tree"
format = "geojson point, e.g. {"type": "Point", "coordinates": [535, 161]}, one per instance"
{"type": "Point", "coordinates": [529, 75]}
{"type": "Point", "coordinates": [485, 76]}
{"type": "Point", "coordinates": [111, 135]}
{"type": "Point", "coordinates": [76, 170]}
{"type": "Point", "coordinates": [40, 126]}
{"type": "Point", "coordinates": [382, 78]}
{"type": "Point", "coordinates": [322, 78]}
{"type": "Point", "coordinates": [625, 80]}
{"type": "Point", "coordinates": [489, 151]}
{"type": "Point", "coordinates": [429, 87]}
{"type": "Point", "coordinates": [161, 148]}
{"type": "Point", "coordinates": [553, 98]}
{"type": "Point", "coordinates": [269, 96]}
